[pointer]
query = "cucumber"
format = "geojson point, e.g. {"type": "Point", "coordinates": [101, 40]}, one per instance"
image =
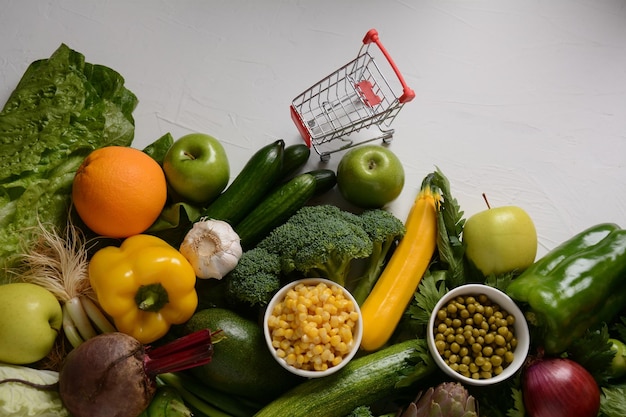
{"type": "Point", "coordinates": [325, 180]}
{"type": "Point", "coordinates": [281, 204]}
{"type": "Point", "coordinates": [363, 381]}
{"type": "Point", "coordinates": [294, 158]}
{"type": "Point", "coordinates": [250, 186]}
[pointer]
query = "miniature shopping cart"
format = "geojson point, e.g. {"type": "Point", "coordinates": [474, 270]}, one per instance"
{"type": "Point", "coordinates": [355, 97]}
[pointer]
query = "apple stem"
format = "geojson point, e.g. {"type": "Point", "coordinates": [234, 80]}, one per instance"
{"type": "Point", "coordinates": [486, 200]}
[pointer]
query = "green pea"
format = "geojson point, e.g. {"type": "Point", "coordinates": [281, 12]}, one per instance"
{"type": "Point", "coordinates": [496, 360]}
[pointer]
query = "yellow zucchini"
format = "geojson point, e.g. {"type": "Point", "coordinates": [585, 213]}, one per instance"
{"type": "Point", "coordinates": [384, 306]}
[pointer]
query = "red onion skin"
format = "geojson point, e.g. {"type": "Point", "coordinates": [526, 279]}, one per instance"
{"type": "Point", "coordinates": [558, 387]}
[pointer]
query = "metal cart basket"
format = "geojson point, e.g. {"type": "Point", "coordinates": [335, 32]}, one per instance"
{"type": "Point", "coordinates": [354, 97]}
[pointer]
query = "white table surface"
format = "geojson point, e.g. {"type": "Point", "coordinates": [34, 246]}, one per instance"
{"type": "Point", "coordinates": [522, 100]}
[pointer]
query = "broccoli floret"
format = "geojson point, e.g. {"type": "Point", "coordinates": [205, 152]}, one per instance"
{"type": "Point", "coordinates": [385, 230]}
{"type": "Point", "coordinates": [319, 241]}
{"type": "Point", "coordinates": [361, 411]}
{"type": "Point", "coordinates": [255, 279]}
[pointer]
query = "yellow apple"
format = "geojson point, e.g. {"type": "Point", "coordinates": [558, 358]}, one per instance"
{"type": "Point", "coordinates": [500, 240]}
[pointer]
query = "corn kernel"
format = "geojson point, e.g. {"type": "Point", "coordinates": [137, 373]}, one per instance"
{"type": "Point", "coordinates": [313, 327]}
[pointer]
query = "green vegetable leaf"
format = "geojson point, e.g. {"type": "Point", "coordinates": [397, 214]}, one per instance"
{"type": "Point", "coordinates": [613, 400]}
{"type": "Point", "coordinates": [593, 352]}
{"type": "Point", "coordinates": [518, 409]}
{"type": "Point", "coordinates": [431, 289]}
{"type": "Point", "coordinates": [501, 400]}
{"type": "Point", "coordinates": [423, 365]}
{"type": "Point", "coordinates": [62, 109]}
{"type": "Point", "coordinates": [174, 222]}
{"type": "Point", "coordinates": [157, 149]}
{"type": "Point", "coordinates": [450, 224]}
{"type": "Point", "coordinates": [620, 328]}
{"type": "Point", "coordinates": [500, 282]}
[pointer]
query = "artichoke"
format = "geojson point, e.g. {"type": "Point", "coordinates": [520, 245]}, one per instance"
{"type": "Point", "coordinates": [448, 399]}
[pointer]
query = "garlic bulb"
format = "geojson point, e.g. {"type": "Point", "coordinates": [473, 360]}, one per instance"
{"type": "Point", "coordinates": [212, 247]}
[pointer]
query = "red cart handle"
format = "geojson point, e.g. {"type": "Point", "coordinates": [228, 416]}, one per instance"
{"type": "Point", "coordinates": [408, 93]}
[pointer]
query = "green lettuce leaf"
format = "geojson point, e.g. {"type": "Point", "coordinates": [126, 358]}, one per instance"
{"type": "Point", "coordinates": [62, 109]}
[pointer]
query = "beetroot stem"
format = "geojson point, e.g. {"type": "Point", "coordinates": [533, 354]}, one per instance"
{"type": "Point", "coordinates": [194, 349]}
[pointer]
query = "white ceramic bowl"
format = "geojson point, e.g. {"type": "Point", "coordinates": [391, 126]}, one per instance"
{"type": "Point", "coordinates": [520, 329]}
{"type": "Point", "coordinates": [356, 336]}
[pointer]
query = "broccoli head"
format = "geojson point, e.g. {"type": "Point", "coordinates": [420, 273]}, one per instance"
{"type": "Point", "coordinates": [255, 279]}
{"type": "Point", "coordinates": [384, 230]}
{"type": "Point", "coordinates": [319, 241]}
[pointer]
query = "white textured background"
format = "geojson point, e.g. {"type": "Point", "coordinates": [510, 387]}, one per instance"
{"type": "Point", "coordinates": [523, 100]}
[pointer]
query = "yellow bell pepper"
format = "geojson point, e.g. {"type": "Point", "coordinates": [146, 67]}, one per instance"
{"type": "Point", "coordinates": [145, 285]}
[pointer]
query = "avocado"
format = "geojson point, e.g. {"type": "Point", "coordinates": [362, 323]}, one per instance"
{"type": "Point", "coordinates": [242, 364]}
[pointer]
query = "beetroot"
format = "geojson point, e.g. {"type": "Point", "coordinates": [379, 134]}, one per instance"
{"type": "Point", "coordinates": [113, 374]}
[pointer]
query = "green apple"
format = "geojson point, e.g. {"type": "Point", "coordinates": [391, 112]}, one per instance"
{"type": "Point", "coordinates": [500, 240]}
{"type": "Point", "coordinates": [196, 167]}
{"type": "Point", "coordinates": [30, 321]}
{"type": "Point", "coordinates": [370, 176]}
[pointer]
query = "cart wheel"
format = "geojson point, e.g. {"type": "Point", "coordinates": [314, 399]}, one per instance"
{"type": "Point", "coordinates": [325, 157]}
{"type": "Point", "coordinates": [388, 139]}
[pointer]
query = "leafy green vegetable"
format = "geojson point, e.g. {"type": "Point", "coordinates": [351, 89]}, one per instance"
{"type": "Point", "coordinates": [593, 352]}
{"type": "Point", "coordinates": [613, 401]}
{"type": "Point", "coordinates": [19, 399]}
{"type": "Point", "coordinates": [620, 328]}
{"type": "Point", "coordinates": [450, 224]}
{"type": "Point", "coordinates": [62, 109]}
{"type": "Point", "coordinates": [431, 289]}
{"type": "Point", "coordinates": [157, 149]}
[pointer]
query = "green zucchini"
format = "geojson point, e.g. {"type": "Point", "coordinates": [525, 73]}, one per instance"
{"type": "Point", "coordinates": [250, 186]}
{"type": "Point", "coordinates": [294, 158]}
{"type": "Point", "coordinates": [276, 208]}
{"type": "Point", "coordinates": [363, 381]}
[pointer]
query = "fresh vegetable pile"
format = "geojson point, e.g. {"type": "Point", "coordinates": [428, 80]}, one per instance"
{"type": "Point", "coordinates": [172, 313]}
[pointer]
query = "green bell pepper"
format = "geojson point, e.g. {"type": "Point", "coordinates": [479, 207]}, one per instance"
{"type": "Point", "coordinates": [577, 285]}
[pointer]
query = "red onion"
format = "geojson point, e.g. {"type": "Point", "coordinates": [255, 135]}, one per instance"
{"type": "Point", "coordinates": [558, 387]}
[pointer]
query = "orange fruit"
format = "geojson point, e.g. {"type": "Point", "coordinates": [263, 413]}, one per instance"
{"type": "Point", "coordinates": [119, 191]}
